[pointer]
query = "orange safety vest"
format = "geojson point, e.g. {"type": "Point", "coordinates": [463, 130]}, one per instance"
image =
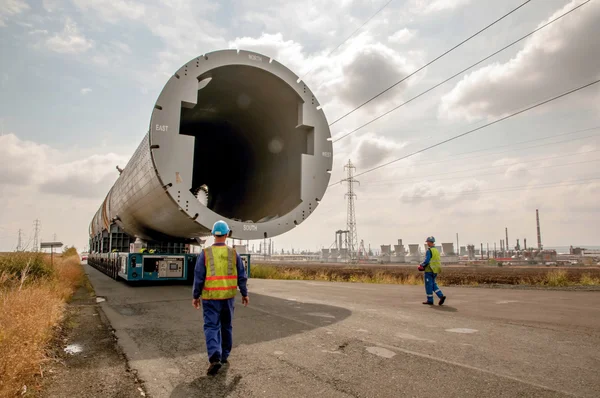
{"type": "Point", "coordinates": [221, 273]}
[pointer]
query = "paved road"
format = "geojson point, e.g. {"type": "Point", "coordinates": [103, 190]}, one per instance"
{"type": "Point", "coordinates": [303, 338]}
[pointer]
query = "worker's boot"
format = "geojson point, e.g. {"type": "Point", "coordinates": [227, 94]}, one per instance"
{"type": "Point", "coordinates": [214, 367]}
{"type": "Point", "coordinates": [442, 300]}
{"type": "Point", "coordinates": [427, 303]}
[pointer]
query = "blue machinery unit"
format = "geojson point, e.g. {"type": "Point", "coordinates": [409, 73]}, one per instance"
{"type": "Point", "coordinates": [150, 267]}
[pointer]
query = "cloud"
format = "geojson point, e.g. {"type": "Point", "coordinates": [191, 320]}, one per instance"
{"type": "Point", "coordinates": [69, 41]}
{"type": "Point", "coordinates": [558, 58]}
{"type": "Point", "coordinates": [51, 5]}
{"type": "Point", "coordinates": [38, 32]}
{"type": "Point", "coordinates": [359, 80]}
{"type": "Point", "coordinates": [86, 90]}
{"type": "Point", "coordinates": [402, 36]}
{"type": "Point", "coordinates": [187, 29]}
{"type": "Point", "coordinates": [429, 191]}
{"type": "Point", "coordinates": [10, 8]}
{"type": "Point", "coordinates": [432, 6]}
{"type": "Point", "coordinates": [87, 178]}
{"type": "Point", "coordinates": [112, 11]}
{"type": "Point", "coordinates": [29, 164]}
{"type": "Point", "coordinates": [370, 149]}
{"type": "Point", "coordinates": [21, 160]}
{"type": "Point", "coordinates": [344, 79]}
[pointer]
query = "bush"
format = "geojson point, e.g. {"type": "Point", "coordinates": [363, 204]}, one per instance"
{"type": "Point", "coordinates": [557, 278]}
{"type": "Point", "coordinates": [19, 265]}
{"type": "Point", "coordinates": [70, 251]}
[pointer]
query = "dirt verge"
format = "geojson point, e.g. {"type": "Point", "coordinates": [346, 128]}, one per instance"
{"type": "Point", "coordinates": [87, 360]}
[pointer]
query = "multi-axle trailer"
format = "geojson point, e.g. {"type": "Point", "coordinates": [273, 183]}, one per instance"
{"type": "Point", "coordinates": [149, 267]}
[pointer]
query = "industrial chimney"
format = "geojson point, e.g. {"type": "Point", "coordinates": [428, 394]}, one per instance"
{"type": "Point", "coordinates": [539, 234]}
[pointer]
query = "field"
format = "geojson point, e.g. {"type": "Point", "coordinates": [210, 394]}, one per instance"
{"type": "Point", "coordinates": [473, 276]}
{"type": "Point", "coordinates": [33, 294]}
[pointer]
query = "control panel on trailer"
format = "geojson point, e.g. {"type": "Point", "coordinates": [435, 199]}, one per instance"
{"type": "Point", "coordinates": [153, 267]}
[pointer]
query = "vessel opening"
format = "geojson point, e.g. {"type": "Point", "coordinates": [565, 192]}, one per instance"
{"type": "Point", "coordinates": [248, 148]}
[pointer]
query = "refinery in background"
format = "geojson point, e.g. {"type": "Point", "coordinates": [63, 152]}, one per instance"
{"type": "Point", "coordinates": [470, 254]}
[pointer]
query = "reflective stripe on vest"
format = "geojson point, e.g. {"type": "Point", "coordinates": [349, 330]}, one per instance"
{"type": "Point", "coordinates": [435, 264]}
{"type": "Point", "coordinates": [221, 274]}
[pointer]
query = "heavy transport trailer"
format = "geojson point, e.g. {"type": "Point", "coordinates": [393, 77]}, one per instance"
{"type": "Point", "coordinates": [150, 267]}
{"type": "Point", "coordinates": [234, 136]}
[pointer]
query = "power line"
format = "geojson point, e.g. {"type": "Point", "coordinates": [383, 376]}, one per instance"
{"type": "Point", "coordinates": [485, 174]}
{"type": "Point", "coordinates": [478, 128]}
{"type": "Point", "coordinates": [455, 156]}
{"type": "Point", "coordinates": [459, 73]}
{"type": "Point", "coordinates": [348, 38]}
{"type": "Point", "coordinates": [429, 63]}
{"type": "Point", "coordinates": [504, 189]}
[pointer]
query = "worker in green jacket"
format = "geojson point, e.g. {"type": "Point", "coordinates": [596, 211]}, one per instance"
{"type": "Point", "coordinates": [432, 267]}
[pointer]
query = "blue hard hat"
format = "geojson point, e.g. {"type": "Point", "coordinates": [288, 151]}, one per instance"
{"type": "Point", "coordinates": [220, 228]}
{"type": "Point", "coordinates": [430, 239]}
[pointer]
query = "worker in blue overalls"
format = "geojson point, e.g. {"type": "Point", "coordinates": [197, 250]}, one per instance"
{"type": "Point", "coordinates": [218, 274]}
{"type": "Point", "coordinates": [432, 267]}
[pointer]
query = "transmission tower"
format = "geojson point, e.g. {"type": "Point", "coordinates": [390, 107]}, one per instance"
{"type": "Point", "coordinates": [36, 234]}
{"type": "Point", "coordinates": [19, 242]}
{"type": "Point", "coordinates": [351, 215]}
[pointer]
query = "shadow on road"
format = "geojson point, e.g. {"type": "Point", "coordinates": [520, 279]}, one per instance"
{"type": "Point", "coordinates": [173, 328]}
{"type": "Point", "coordinates": [208, 386]}
{"type": "Point", "coordinates": [444, 308]}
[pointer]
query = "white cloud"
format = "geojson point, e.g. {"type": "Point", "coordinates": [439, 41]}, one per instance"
{"type": "Point", "coordinates": [70, 40]}
{"type": "Point", "coordinates": [369, 149]}
{"type": "Point", "coordinates": [38, 32]}
{"type": "Point", "coordinates": [112, 11]}
{"type": "Point", "coordinates": [28, 163]}
{"type": "Point", "coordinates": [51, 5]}
{"type": "Point", "coordinates": [558, 58]}
{"type": "Point", "coordinates": [344, 79]}
{"type": "Point", "coordinates": [402, 36]}
{"type": "Point", "coordinates": [21, 160]}
{"type": "Point", "coordinates": [86, 90]}
{"type": "Point", "coordinates": [429, 191]}
{"type": "Point", "coordinates": [9, 8]}
{"type": "Point", "coordinates": [432, 6]}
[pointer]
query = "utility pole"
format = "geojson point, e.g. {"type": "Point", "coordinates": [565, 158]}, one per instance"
{"type": "Point", "coordinates": [19, 242]}
{"type": "Point", "coordinates": [507, 244]}
{"type": "Point", "coordinates": [36, 234]}
{"type": "Point", "coordinates": [481, 250]}
{"type": "Point", "coordinates": [351, 215]}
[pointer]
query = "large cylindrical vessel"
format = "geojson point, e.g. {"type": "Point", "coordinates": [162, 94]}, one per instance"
{"type": "Point", "coordinates": [235, 136]}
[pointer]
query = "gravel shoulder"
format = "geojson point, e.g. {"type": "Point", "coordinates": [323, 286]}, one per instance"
{"type": "Point", "coordinates": [94, 365]}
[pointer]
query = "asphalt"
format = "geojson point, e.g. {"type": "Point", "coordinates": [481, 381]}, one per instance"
{"type": "Point", "coordinates": [304, 338]}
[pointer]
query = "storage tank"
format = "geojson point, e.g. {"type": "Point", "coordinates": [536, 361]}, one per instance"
{"type": "Point", "coordinates": [233, 136]}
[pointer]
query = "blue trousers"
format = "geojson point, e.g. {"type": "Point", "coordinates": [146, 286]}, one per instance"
{"type": "Point", "coordinates": [431, 286]}
{"type": "Point", "coordinates": [218, 331]}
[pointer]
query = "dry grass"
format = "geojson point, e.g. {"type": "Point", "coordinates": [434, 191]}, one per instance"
{"type": "Point", "coordinates": [332, 275]}
{"type": "Point", "coordinates": [588, 280]}
{"type": "Point", "coordinates": [557, 278]}
{"type": "Point", "coordinates": [465, 276]}
{"type": "Point", "coordinates": [32, 303]}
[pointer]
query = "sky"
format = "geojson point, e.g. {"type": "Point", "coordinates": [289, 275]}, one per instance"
{"type": "Point", "coordinates": [79, 78]}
